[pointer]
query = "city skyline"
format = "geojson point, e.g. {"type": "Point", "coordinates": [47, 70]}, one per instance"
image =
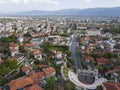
{"type": "Point", "coordinates": [9, 6]}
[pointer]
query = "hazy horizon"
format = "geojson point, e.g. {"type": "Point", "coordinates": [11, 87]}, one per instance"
{"type": "Point", "coordinates": [9, 6]}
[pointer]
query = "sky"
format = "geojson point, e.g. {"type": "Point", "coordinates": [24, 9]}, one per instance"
{"type": "Point", "coordinates": [9, 6]}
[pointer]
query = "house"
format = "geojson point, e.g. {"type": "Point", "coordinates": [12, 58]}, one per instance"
{"type": "Point", "coordinates": [33, 75]}
{"type": "Point", "coordinates": [42, 65]}
{"type": "Point", "coordinates": [37, 54]}
{"type": "Point", "coordinates": [34, 87]}
{"type": "Point", "coordinates": [25, 69]}
{"type": "Point", "coordinates": [58, 55]}
{"type": "Point", "coordinates": [34, 35]}
{"type": "Point", "coordinates": [14, 49]}
{"type": "Point", "coordinates": [20, 83]}
{"type": "Point", "coordinates": [117, 68]}
{"type": "Point", "coordinates": [111, 86]}
{"type": "Point", "coordinates": [37, 41]}
{"type": "Point", "coordinates": [93, 32]}
{"type": "Point", "coordinates": [2, 55]}
{"type": "Point", "coordinates": [1, 61]}
{"type": "Point", "coordinates": [41, 75]}
{"type": "Point", "coordinates": [20, 38]}
{"type": "Point", "coordinates": [103, 61]}
{"type": "Point", "coordinates": [46, 73]}
{"type": "Point", "coordinates": [89, 58]}
{"type": "Point", "coordinates": [18, 57]}
{"type": "Point", "coordinates": [49, 71]}
{"type": "Point", "coordinates": [29, 46]}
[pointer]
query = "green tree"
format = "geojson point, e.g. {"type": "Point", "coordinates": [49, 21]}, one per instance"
{"type": "Point", "coordinates": [21, 49]}
{"type": "Point", "coordinates": [99, 88]}
{"type": "Point", "coordinates": [74, 26]}
{"type": "Point", "coordinates": [36, 62]}
{"type": "Point", "coordinates": [111, 30]}
{"type": "Point", "coordinates": [70, 85]}
{"type": "Point", "coordinates": [109, 55]}
{"type": "Point", "coordinates": [50, 83]}
{"type": "Point", "coordinates": [2, 80]}
{"type": "Point", "coordinates": [13, 64]}
{"type": "Point", "coordinates": [68, 52]}
{"type": "Point", "coordinates": [30, 55]}
{"type": "Point", "coordinates": [103, 69]}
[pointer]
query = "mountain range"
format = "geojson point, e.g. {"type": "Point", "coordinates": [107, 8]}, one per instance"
{"type": "Point", "coordinates": [115, 11]}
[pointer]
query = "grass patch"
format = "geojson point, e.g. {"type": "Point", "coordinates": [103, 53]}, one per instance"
{"type": "Point", "coordinates": [65, 71]}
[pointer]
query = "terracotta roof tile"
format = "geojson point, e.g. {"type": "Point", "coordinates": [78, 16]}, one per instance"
{"type": "Point", "coordinates": [41, 74]}
{"type": "Point", "coordinates": [42, 65]}
{"type": "Point", "coordinates": [25, 68]}
{"type": "Point", "coordinates": [89, 58]}
{"type": "Point", "coordinates": [34, 77]}
{"type": "Point", "coordinates": [34, 87]}
{"type": "Point", "coordinates": [20, 83]}
{"type": "Point", "coordinates": [103, 60]}
{"type": "Point", "coordinates": [13, 44]}
{"type": "Point", "coordinates": [112, 85]}
{"type": "Point", "coordinates": [1, 61]}
{"type": "Point", "coordinates": [29, 45]}
{"type": "Point", "coordinates": [48, 71]}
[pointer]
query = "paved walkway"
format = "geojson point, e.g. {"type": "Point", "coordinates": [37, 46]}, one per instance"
{"type": "Point", "coordinates": [62, 67]}
{"type": "Point", "coordinates": [73, 77]}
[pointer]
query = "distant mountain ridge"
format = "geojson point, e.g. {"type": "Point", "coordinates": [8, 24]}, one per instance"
{"type": "Point", "coordinates": [115, 11]}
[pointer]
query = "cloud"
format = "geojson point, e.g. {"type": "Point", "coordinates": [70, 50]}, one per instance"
{"type": "Point", "coordinates": [118, 0]}
{"type": "Point", "coordinates": [2, 1]}
{"type": "Point", "coordinates": [46, 1]}
{"type": "Point", "coordinates": [16, 1]}
{"type": "Point", "coordinates": [25, 1]}
{"type": "Point", "coordinates": [87, 1]}
{"type": "Point", "coordinates": [36, 1]}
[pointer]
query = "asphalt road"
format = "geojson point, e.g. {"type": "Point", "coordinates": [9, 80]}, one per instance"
{"type": "Point", "coordinates": [75, 52]}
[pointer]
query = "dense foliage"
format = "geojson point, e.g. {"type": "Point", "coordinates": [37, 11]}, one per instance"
{"type": "Point", "coordinates": [112, 30]}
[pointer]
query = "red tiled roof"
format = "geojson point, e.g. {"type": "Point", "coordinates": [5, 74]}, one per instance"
{"type": "Point", "coordinates": [37, 54]}
{"type": "Point", "coordinates": [20, 83]}
{"type": "Point", "coordinates": [112, 85]}
{"type": "Point", "coordinates": [103, 60]}
{"type": "Point", "coordinates": [1, 61]}
{"type": "Point", "coordinates": [25, 68]}
{"type": "Point", "coordinates": [34, 87]}
{"type": "Point", "coordinates": [89, 58]}
{"type": "Point", "coordinates": [13, 44]}
{"type": "Point", "coordinates": [29, 45]}
{"type": "Point", "coordinates": [117, 67]}
{"type": "Point", "coordinates": [41, 74]}
{"type": "Point", "coordinates": [41, 65]}
{"type": "Point", "coordinates": [58, 52]}
{"type": "Point", "coordinates": [48, 71]}
{"type": "Point", "coordinates": [34, 77]}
